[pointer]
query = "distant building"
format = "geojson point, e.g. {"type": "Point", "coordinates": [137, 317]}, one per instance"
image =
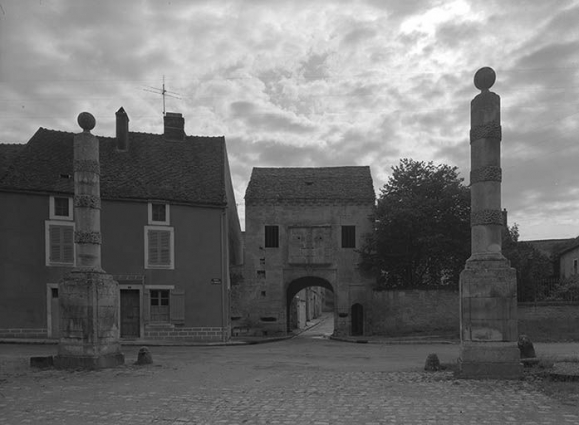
{"type": "Point", "coordinates": [568, 258]}
{"type": "Point", "coordinates": [170, 231]}
{"type": "Point", "coordinates": [303, 229]}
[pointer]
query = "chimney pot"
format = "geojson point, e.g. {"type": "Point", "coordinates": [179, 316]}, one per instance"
{"type": "Point", "coordinates": [122, 129]}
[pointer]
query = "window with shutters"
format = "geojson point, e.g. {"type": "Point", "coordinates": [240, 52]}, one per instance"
{"type": "Point", "coordinates": [59, 242]}
{"type": "Point", "coordinates": [159, 247]}
{"type": "Point", "coordinates": [164, 304]}
{"type": "Point", "coordinates": [159, 213]}
{"type": "Point", "coordinates": [61, 208]}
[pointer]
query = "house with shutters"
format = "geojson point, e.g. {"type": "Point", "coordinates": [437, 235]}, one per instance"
{"type": "Point", "coordinates": [169, 225]}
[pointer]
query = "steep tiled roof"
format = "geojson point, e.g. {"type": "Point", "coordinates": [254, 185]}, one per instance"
{"type": "Point", "coordinates": [189, 171]}
{"type": "Point", "coordinates": [8, 151]}
{"type": "Point", "coordinates": [352, 184]}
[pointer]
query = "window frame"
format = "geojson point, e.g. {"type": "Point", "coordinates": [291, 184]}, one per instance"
{"type": "Point", "coordinates": [52, 209]}
{"type": "Point", "coordinates": [267, 240]}
{"type": "Point", "coordinates": [171, 265]}
{"type": "Point", "coordinates": [167, 220]}
{"type": "Point", "coordinates": [47, 243]}
{"type": "Point", "coordinates": [348, 240]}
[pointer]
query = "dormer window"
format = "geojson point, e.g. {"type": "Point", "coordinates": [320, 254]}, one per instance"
{"type": "Point", "coordinates": [60, 208]}
{"type": "Point", "coordinates": [159, 213]}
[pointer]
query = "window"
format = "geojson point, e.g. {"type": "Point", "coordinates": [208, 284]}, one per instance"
{"type": "Point", "coordinates": [159, 247]}
{"type": "Point", "coordinates": [348, 236]}
{"type": "Point", "coordinates": [159, 305]}
{"type": "Point", "coordinates": [272, 236]}
{"type": "Point", "coordinates": [60, 208]}
{"type": "Point", "coordinates": [164, 304]}
{"type": "Point", "coordinates": [59, 243]}
{"type": "Point", "coordinates": [159, 213]}
{"type": "Point", "coordinates": [575, 266]}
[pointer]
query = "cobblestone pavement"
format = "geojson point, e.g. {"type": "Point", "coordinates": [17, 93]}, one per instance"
{"type": "Point", "coordinates": [299, 381]}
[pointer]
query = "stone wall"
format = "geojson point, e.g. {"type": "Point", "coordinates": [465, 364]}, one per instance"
{"type": "Point", "coordinates": [435, 313]}
{"type": "Point", "coordinates": [553, 321]}
{"type": "Point", "coordinates": [414, 312]}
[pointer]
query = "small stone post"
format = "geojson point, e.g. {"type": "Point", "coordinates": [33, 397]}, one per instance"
{"type": "Point", "coordinates": [488, 285]}
{"type": "Point", "coordinates": [88, 297]}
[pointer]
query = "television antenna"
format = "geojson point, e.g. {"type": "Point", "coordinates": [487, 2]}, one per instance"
{"type": "Point", "coordinates": [163, 92]}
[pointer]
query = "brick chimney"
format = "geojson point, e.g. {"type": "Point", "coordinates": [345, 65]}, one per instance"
{"type": "Point", "coordinates": [174, 126]}
{"type": "Point", "coordinates": [122, 130]}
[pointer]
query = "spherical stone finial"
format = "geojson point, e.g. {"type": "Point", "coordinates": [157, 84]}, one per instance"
{"type": "Point", "coordinates": [86, 121]}
{"type": "Point", "coordinates": [484, 78]}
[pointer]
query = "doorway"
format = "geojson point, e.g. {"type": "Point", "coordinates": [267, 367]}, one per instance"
{"type": "Point", "coordinates": [130, 313]}
{"type": "Point", "coordinates": [357, 316]}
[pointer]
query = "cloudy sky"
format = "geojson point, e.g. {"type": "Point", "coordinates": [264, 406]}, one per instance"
{"type": "Point", "coordinates": [314, 83]}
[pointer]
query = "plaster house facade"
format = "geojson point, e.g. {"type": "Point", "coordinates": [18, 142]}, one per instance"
{"type": "Point", "coordinates": [568, 259]}
{"type": "Point", "coordinates": [169, 224]}
{"type": "Point", "coordinates": [303, 229]}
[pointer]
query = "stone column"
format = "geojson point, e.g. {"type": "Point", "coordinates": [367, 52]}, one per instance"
{"type": "Point", "coordinates": [88, 297]}
{"type": "Point", "coordinates": [488, 285]}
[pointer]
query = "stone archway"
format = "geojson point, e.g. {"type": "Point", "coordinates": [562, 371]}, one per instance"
{"type": "Point", "coordinates": [296, 286]}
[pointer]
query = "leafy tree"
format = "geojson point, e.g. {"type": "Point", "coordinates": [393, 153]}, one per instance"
{"type": "Point", "coordinates": [534, 268]}
{"type": "Point", "coordinates": [422, 234]}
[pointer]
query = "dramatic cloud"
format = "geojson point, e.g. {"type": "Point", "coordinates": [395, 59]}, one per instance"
{"type": "Point", "coordinates": [322, 83]}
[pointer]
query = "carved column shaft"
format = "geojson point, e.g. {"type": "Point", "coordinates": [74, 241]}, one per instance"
{"type": "Point", "coordinates": [486, 175]}
{"type": "Point", "coordinates": [87, 201]}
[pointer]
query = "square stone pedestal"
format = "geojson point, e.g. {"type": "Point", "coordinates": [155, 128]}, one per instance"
{"type": "Point", "coordinates": [89, 322]}
{"type": "Point", "coordinates": [488, 321]}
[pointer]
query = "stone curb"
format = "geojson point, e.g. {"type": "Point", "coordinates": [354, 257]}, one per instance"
{"type": "Point", "coordinates": [362, 340]}
{"type": "Point", "coordinates": [154, 343]}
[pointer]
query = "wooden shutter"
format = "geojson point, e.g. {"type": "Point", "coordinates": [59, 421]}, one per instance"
{"type": "Point", "coordinates": [61, 244]}
{"type": "Point", "coordinates": [146, 306]}
{"type": "Point", "coordinates": [159, 249]}
{"type": "Point", "coordinates": [67, 244]}
{"type": "Point", "coordinates": [177, 306]}
{"type": "Point", "coordinates": [164, 248]}
{"type": "Point", "coordinates": [55, 242]}
{"type": "Point", "coordinates": [153, 247]}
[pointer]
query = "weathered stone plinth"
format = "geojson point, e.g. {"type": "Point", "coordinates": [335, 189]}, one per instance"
{"type": "Point", "coordinates": [488, 321]}
{"type": "Point", "coordinates": [89, 309]}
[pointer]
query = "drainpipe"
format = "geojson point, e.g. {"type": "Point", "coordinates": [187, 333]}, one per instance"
{"type": "Point", "coordinates": [224, 261]}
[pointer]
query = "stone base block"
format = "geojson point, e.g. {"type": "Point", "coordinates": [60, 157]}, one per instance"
{"type": "Point", "coordinates": [89, 362]}
{"type": "Point", "coordinates": [489, 360]}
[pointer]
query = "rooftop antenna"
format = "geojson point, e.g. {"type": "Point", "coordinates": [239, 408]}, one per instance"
{"type": "Point", "coordinates": [163, 92]}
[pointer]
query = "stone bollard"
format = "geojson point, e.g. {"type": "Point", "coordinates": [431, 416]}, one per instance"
{"type": "Point", "coordinates": [144, 356]}
{"type": "Point", "coordinates": [432, 363]}
{"type": "Point", "coordinates": [526, 347]}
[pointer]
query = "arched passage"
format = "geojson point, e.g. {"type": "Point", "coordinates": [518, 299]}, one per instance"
{"type": "Point", "coordinates": [296, 286]}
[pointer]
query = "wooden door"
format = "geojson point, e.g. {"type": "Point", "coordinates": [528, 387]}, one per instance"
{"type": "Point", "coordinates": [357, 317]}
{"type": "Point", "coordinates": [130, 313]}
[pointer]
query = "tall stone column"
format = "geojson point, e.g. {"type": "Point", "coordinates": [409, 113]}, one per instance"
{"type": "Point", "coordinates": [88, 297]}
{"type": "Point", "coordinates": [488, 285]}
